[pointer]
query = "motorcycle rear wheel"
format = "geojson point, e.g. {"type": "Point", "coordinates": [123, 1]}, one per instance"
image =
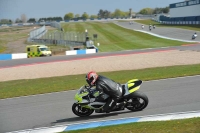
{"type": "Point", "coordinates": [137, 101]}
{"type": "Point", "coordinates": [81, 111]}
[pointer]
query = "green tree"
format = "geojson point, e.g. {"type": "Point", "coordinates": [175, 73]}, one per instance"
{"type": "Point", "coordinates": [42, 19]}
{"type": "Point", "coordinates": [49, 19]}
{"type": "Point", "coordinates": [77, 16]}
{"type": "Point", "coordinates": [117, 13]}
{"type": "Point", "coordinates": [146, 11]}
{"type": "Point", "coordinates": [166, 10]}
{"type": "Point", "coordinates": [161, 10]}
{"type": "Point", "coordinates": [125, 14]}
{"type": "Point", "coordinates": [4, 21]}
{"type": "Point", "coordinates": [68, 16]}
{"type": "Point", "coordinates": [157, 10]}
{"type": "Point", "coordinates": [18, 20]}
{"type": "Point", "coordinates": [93, 16]}
{"type": "Point", "coordinates": [100, 14]}
{"type": "Point", "coordinates": [104, 14]}
{"type": "Point", "coordinates": [85, 15]}
{"type": "Point", "coordinates": [60, 18]}
{"type": "Point", "coordinates": [31, 20]}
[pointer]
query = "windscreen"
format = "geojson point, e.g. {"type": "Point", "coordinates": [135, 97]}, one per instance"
{"type": "Point", "coordinates": [44, 49]}
{"type": "Point", "coordinates": [82, 90]}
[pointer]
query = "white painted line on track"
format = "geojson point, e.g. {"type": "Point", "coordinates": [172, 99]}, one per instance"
{"type": "Point", "coordinates": [173, 78]}
{"type": "Point", "coordinates": [95, 124]}
{"type": "Point", "coordinates": [54, 129]}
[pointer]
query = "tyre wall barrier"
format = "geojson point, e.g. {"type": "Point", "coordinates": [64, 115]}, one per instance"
{"type": "Point", "coordinates": [13, 56]}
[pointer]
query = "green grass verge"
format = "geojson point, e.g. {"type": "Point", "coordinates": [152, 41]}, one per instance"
{"type": "Point", "coordinates": [4, 39]}
{"type": "Point", "coordinates": [175, 126]}
{"type": "Point", "coordinates": [2, 48]}
{"type": "Point", "coordinates": [188, 27]}
{"type": "Point", "coordinates": [11, 29]}
{"type": "Point", "coordinates": [16, 33]}
{"type": "Point", "coordinates": [10, 35]}
{"type": "Point", "coordinates": [17, 88]}
{"type": "Point", "coordinates": [115, 38]}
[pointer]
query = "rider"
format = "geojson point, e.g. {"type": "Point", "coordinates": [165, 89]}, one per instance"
{"type": "Point", "coordinates": [105, 86]}
{"type": "Point", "coordinates": [194, 36]}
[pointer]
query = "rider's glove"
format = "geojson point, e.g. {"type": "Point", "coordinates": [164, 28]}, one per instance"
{"type": "Point", "coordinates": [87, 87]}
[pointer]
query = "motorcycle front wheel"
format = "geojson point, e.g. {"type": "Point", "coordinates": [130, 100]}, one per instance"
{"type": "Point", "coordinates": [81, 111]}
{"type": "Point", "coordinates": [137, 101]}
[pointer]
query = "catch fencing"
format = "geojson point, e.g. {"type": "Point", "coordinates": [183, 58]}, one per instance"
{"type": "Point", "coordinates": [56, 25]}
{"type": "Point", "coordinates": [62, 38]}
{"type": "Point", "coordinates": [58, 37]}
{"type": "Point", "coordinates": [37, 33]}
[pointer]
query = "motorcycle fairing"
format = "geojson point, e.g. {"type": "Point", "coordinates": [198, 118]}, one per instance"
{"type": "Point", "coordinates": [99, 104]}
{"type": "Point", "coordinates": [133, 85]}
{"type": "Point", "coordinates": [81, 93]}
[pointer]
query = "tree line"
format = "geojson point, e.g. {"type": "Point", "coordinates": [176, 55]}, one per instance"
{"type": "Point", "coordinates": [149, 11]}
{"type": "Point", "coordinates": [5, 21]}
{"type": "Point", "coordinates": [33, 20]}
{"type": "Point", "coordinates": [116, 14]}
{"type": "Point", "coordinates": [30, 20]}
{"type": "Point", "coordinates": [101, 14]}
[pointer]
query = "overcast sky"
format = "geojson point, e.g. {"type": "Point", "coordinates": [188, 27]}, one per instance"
{"type": "Point", "coordinates": [12, 9]}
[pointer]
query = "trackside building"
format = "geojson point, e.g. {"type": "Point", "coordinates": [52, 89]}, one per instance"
{"type": "Point", "coordinates": [187, 11]}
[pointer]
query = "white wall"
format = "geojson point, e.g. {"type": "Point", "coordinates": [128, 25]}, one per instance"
{"type": "Point", "coordinates": [90, 51]}
{"type": "Point", "coordinates": [185, 11]}
{"type": "Point", "coordinates": [72, 52]}
{"type": "Point", "coordinates": [19, 56]}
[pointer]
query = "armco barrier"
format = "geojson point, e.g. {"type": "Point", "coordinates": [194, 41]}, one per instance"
{"type": "Point", "coordinates": [79, 52]}
{"type": "Point", "coordinates": [13, 56]}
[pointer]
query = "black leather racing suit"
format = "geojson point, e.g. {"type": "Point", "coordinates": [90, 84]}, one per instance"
{"type": "Point", "coordinates": [111, 88]}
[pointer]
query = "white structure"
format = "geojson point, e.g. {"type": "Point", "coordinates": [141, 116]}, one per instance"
{"type": "Point", "coordinates": [185, 9]}
{"type": "Point", "coordinates": [19, 56]}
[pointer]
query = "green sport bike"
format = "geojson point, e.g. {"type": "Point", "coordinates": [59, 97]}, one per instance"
{"type": "Point", "coordinates": [86, 104]}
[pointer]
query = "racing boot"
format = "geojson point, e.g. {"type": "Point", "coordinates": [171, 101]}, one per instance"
{"type": "Point", "coordinates": [121, 106]}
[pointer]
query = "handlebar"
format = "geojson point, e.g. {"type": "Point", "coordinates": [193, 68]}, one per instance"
{"type": "Point", "coordinates": [88, 88]}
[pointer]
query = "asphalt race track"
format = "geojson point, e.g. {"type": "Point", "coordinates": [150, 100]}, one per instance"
{"type": "Point", "coordinates": [18, 62]}
{"type": "Point", "coordinates": [176, 33]}
{"type": "Point", "coordinates": [165, 96]}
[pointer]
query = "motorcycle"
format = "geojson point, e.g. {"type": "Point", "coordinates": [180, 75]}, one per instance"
{"type": "Point", "coordinates": [133, 99]}
{"type": "Point", "coordinates": [194, 36]}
